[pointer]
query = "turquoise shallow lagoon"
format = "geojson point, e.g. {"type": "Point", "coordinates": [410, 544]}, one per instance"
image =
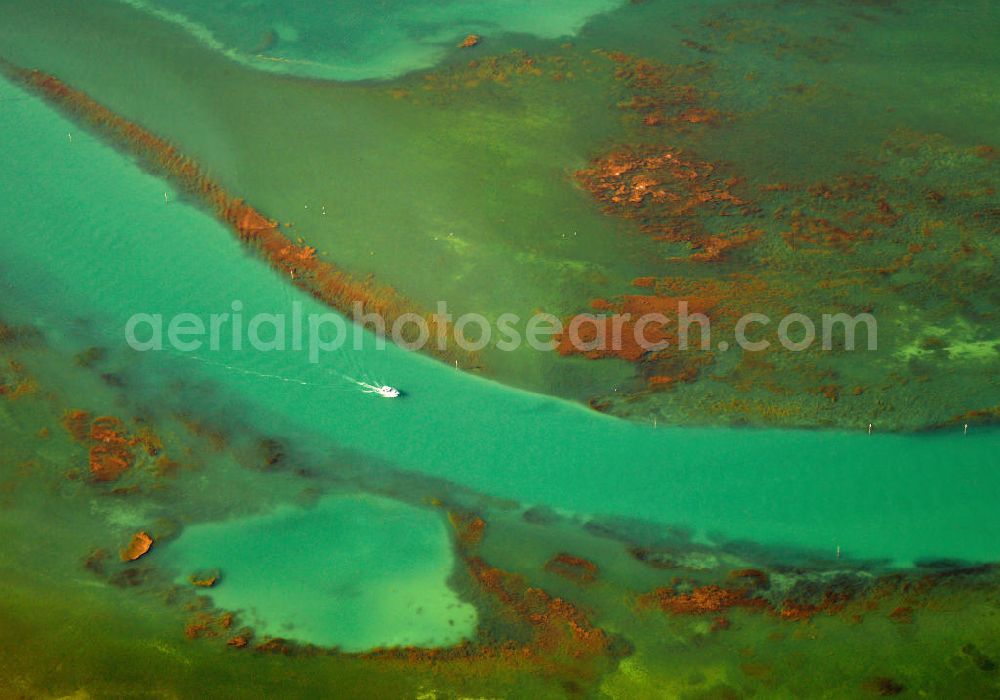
{"type": "Point", "coordinates": [360, 40]}
{"type": "Point", "coordinates": [356, 573]}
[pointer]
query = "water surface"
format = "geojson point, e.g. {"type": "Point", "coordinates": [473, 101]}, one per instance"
{"type": "Point", "coordinates": [887, 497]}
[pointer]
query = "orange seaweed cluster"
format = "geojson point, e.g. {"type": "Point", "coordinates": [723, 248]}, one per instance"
{"type": "Point", "coordinates": [979, 415]}
{"type": "Point", "coordinates": [702, 600]}
{"type": "Point", "coordinates": [667, 193]}
{"type": "Point", "coordinates": [758, 577]}
{"type": "Point", "coordinates": [497, 70]}
{"type": "Point", "coordinates": [821, 232]}
{"type": "Point", "coordinates": [712, 599]}
{"type": "Point", "coordinates": [715, 248]}
{"type": "Point", "coordinates": [721, 299]}
{"type": "Point", "coordinates": [25, 387]}
{"type": "Point", "coordinates": [831, 604]}
{"type": "Point", "coordinates": [573, 568]}
{"type": "Point", "coordinates": [469, 527]}
{"type": "Point", "coordinates": [77, 424]}
{"type": "Point", "coordinates": [112, 454]}
{"type": "Point", "coordinates": [206, 625]}
{"type": "Point", "coordinates": [239, 641]}
{"type": "Point", "coordinates": [837, 215]}
{"type": "Point", "coordinates": [204, 579]}
{"type": "Point", "coordinates": [111, 447]}
{"type": "Point", "coordinates": [137, 547]}
{"type": "Point", "coordinates": [662, 94]}
{"type": "Point", "coordinates": [618, 334]}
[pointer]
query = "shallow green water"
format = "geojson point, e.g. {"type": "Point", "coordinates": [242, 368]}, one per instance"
{"type": "Point", "coordinates": [458, 184]}
{"type": "Point", "coordinates": [347, 544]}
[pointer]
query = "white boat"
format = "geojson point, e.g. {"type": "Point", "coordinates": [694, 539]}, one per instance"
{"type": "Point", "coordinates": [385, 391]}
{"type": "Point", "coordinates": [388, 392]}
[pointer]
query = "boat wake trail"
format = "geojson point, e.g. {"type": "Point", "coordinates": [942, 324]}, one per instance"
{"type": "Point", "coordinates": [366, 385]}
